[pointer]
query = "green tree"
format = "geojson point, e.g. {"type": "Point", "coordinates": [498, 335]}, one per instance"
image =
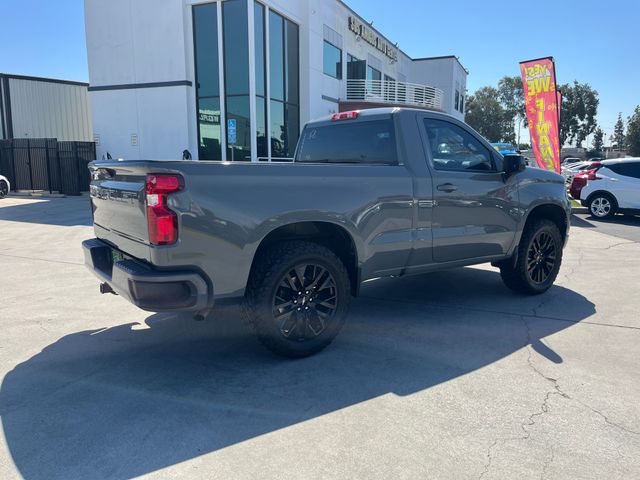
{"type": "Point", "coordinates": [633, 133]}
{"type": "Point", "coordinates": [618, 133]}
{"type": "Point", "coordinates": [598, 140]}
{"type": "Point", "coordinates": [511, 96]}
{"type": "Point", "coordinates": [579, 110]}
{"type": "Point", "coordinates": [486, 114]}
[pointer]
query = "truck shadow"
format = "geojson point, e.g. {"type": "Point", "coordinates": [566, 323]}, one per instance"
{"type": "Point", "coordinates": [134, 399]}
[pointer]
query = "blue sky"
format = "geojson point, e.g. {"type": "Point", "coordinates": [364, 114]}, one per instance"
{"type": "Point", "coordinates": [592, 41]}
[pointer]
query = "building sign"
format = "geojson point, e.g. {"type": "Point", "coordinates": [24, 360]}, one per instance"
{"type": "Point", "coordinates": [209, 118]}
{"type": "Point", "coordinates": [543, 111]}
{"type": "Point", "coordinates": [372, 38]}
{"type": "Point", "coordinates": [232, 138]}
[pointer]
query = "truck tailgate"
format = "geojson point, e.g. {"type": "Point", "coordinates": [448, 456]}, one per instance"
{"type": "Point", "coordinates": [118, 203]}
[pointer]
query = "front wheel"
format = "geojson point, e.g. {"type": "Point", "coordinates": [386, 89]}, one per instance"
{"type": "Point", "coordinates": [297, 298]}
{"type": "Point", "coordinates": [4, 189]}
{"type": "Point", "coordinates": [539, 259]}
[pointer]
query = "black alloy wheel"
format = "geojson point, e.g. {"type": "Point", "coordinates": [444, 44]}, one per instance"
{"type": "Point", "coordinates": [541, 257]}
{"type": "Point", "coordinates": [536, 263]}
{"type": "Point", "coordinates": [297, 298]}
{"type": "Point", "coordinates": [304, 302]}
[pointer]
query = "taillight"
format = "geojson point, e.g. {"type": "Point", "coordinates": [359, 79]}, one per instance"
{"type": "Point", "coordinates": [163, 222]}
{"type": "Point", "coordinates": [580, 181]}
{"type": "Point", "coordinates": [591, 174]}
{"type": "Point", "coordinates": [345, 116]}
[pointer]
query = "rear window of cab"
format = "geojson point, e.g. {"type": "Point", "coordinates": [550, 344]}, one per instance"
{"type": "Point", "coordinates": [345, 141]}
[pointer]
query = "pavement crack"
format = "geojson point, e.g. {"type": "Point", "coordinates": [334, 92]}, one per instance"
{"type": "Point", "coordinates": [487, 465]}
{"type": "Point", "coordinates": [618, 245]}
{"type": "Point", "coordinates": [559, 392]}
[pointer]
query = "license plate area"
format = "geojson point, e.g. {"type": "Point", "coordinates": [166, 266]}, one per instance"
{"type": "Point", "coordinates": [118, 256]}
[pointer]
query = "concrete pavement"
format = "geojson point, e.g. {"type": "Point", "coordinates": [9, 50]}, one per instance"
{"type": "Point", "coordinates": [621, 226]}
{"type": "Point", "coordinates": [448, 375]}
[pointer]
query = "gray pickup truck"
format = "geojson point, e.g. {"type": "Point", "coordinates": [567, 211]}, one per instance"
{"type": "Point", "coordinates": [376, 193]}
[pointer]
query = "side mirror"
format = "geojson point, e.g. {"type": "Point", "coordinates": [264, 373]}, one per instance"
{"type": "Point", "coordinates": [514, 164]}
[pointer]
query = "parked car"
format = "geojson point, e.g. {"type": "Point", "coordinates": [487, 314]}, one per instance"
{"type": "Point", "coordinates": [5, 186]}
{"type": "Point", "coordinates": [579, 181]}
{"type": "Point", "coordinates": [505, 148]}
{"type": "Point", "coordinates": [570, 160]}
{"type": "Point", "coordinates": [613, 188]}
{"type": "Point", "coordinates": [378, 193]}
{"type": "Point", "coordinates": [573, 169]}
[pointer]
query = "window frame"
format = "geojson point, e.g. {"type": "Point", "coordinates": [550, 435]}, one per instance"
{"type": "Point", "coordinates": [338, 70]}
{"type": "Point", "coordinates": [427, 143]}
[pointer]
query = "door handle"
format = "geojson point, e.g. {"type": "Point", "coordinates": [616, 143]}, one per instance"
{"type": "Point", "coordinates": [447, 187]}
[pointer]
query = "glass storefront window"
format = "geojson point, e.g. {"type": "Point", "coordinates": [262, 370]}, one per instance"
{"type": "Point", "coordinates": [261, 89]}
{"type": "Point", "coordinates": [292, 67]}
{"type": "Point", "coordinates": [373, 74]}
{"type": "Point", "coordinates": [284, 43]}
{"type": "Point", "coordinates": [292, 129]}
{"type": "Point", "coordinates": [236, 75]}
{"type": "Point", "coordinates": [238, 109]}
{"type": "Point", "coordinates": [236, 47]}
{"type": "Point", "coordinates": [277, 129]}
{"type": "Point", "coordinates": [205, 31]}
{"type": "Point", "coordinates": [374, 77]}
{"type": "Point", "coordinates": [258, 15]}
{"type": "Point", "coordinates": [261, 128]}
{"type": "Point", "coordinates": [276, 55]}
{"type": "Point", "coordinates": [284, 78]}
{"type": "Point", "coordinates": [332, 61]}
{"type": "Point", "coordinates": [209, 147]}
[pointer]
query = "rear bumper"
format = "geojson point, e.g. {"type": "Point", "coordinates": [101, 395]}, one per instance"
{"type": "Point", "coordinates": [146, 287]}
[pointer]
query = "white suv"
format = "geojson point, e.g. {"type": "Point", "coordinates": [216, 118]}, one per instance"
{"type": "Point", "coordinates": [614, 188]}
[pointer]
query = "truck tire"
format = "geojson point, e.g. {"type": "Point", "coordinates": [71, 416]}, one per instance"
{"type": "Point", "coordinates": [297, 298]}
{"type": "Point", "coordinates": [4, 189]}
{"type": "Point", "coordinates": [539, 259]}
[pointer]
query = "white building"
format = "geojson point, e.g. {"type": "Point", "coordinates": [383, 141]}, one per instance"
{"type": "Point", "coordinates": [35, 107]}
{"type": "Point", "coordinates": [237, 79]}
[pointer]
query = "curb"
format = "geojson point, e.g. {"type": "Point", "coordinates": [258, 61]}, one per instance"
{"type": "Point", "coordinates": [36, 195]}
{"type": "Point", "coordinates": [580, 210]}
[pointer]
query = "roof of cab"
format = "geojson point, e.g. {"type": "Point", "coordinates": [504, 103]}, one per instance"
{"type": "Point", "coordinates": [379, 112]}
{"type": "Point", "coordinates": [613, 161]}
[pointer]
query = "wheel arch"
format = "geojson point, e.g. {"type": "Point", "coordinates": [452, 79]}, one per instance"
{"type": "Point", "coordinates": [330, 235]}
{"type": "Point", "coordinates": [550, 211]}
{"type": "Point", "coordinates": [601, 192]}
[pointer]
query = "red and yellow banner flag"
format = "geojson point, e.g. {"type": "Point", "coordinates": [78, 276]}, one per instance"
{"type": "Point", "coordinates": [543, 110]}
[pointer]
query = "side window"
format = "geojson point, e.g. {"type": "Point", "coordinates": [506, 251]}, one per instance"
{"type": "Point", "coordinates": [635, 169]}
{"type": "Point", "coordinates": [626, 169]}
{"type": "Point", "coordinates": [453, 148]}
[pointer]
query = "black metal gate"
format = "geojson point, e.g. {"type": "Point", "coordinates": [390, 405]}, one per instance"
{"type": "Point", "coordinates": [45, 164]}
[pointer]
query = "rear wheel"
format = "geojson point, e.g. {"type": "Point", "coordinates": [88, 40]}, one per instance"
{"type": "Point", "coordinates": [602, 205]}
{"type": "Point", "coordinates": [297, 299]}
{"type": "Point", "coordinates": [4, 189]}
{"type": "Point", "coordinates": [539, 259]}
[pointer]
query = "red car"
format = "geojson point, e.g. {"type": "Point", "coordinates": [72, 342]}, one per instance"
{"type": "Point", "coordinates": [580, 180]}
